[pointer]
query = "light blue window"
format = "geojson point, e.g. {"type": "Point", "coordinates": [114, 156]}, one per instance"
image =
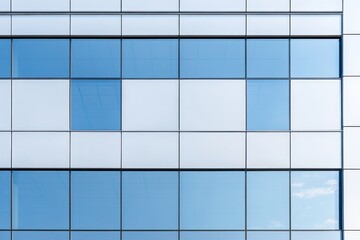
{"type": "Point", "coordinates": [268, 200]}
{"type": "Point", "coordinates": [40, 200]}
{"type": "Point", "coordinates": [268, 105]}
{"type": "Point", "coordinates": [95, 199]}
{"type": "Point", "coordinates": [268, 58]}
{"type": "Point", "coordinates": [150, 235]}
{"type": "Point", "coordinates": [212, 200]}
{"type": "Point", "coordinates": [212, 58]}
{"type": "Point", "coordinates": [95, 58]}
{"type": "Point", "coordinates": [315, 200]}
{"type": "Point", "coordinates": [150, 200]}
{"type": "Point", "coordinates": [41, 58]}
{"type": "Point", "coordinates": [5, 235]}
{"type": "Point", "coordinates": [33, 235]}
{"type": "Point", "coordinates": [320, 235]}
{"type": "Point", "coordinates": [150, 58]}
{"type": "Point", "coordinates": [5, 58]}
{"type": "Point", "coordinates": [265, 235]}
{"type": "Point", "coordinates": [95, 104]}
{"type": "Point", "coordinates": [95, 235]}
{"type": "Point", "coordinates": [5, 196]}
{"type": "Point", "coordinates": [202, 235]}
{"type": "Point", "coordinates": [312, 58]}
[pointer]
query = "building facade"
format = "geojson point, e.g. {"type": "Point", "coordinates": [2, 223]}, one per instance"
{"type": "Point", "coordinates": [179, 120]}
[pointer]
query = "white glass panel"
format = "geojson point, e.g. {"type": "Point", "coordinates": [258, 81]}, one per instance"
{"type": "Point", "coordinates": [351, 102]}
{"type": "Point", "coordinates": [43, 103]}
{"type": "Point", "coordinates": [150, 150]}
{"type": "Point", "coordinates": [351, 200]}
{"type": "Point", "coordinates": [351, 17]}
{"type": "Point", "coordinates": [40, 5]}
{"type": "Point", "coordinates": [150, 105]}
{"type": "Point", "coordinates": [5, 150]}
{"type": "Point", "coordinates": [5, 25]}
{"type": "Point", "coordinates": [352, 235]}
{"type": "Point", "coordinates": [212, 25]}
{"type": "Point", "coordinates": [150, 25]}
{"type": "Point", "coordinates": [351, 56]}
{"type": "Point", "coordinates": [268, 25]}
{"type": "Point", "coordinates": [96, 25]}
{"type": "Point", "coordinates": [212, 5]}
{"type": "Point", "coordinates": [315, 105]}
{"type": "Point", "coordinates": [212, 150]}
{"type": "Point", "coordinates": [4, 5]}
{"type": "Point", "coordinates": [351, 147]}
{"type": "Point", "coordinates": [40, 25]}
{"type": "Point", "coordinates": [212, 105]}
{"type": "Point", "coordinates": [5, 105]}
{"type": "Point", "coordinates": [316, 25]}
{"type": "Point", "coordinates": [316, 5]}
{"type": "Point", "coordinates": [40, 150]}
{"type": "Point", "coordinates": [95, 5]}
{"type": "Point", "coordinates": [154, 5]}
{"type": "Point", "coordinates": [268, 6]}
{"type": "Point", "coordinates": [95, 150]}
{"type": "Point", "coordinates": [316, 150]}
{"type": "Point", "coordinates": [268, 150]}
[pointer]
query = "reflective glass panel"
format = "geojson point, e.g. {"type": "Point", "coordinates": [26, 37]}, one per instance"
{"type": "Point", "coordinates": [212, 235]}
{"type": "Point", "coordinates": [33, 235]}
{"type": "Point", "coordinates": [95, 235]}
{"type": "Point", "coordinates": [265, 235]}
{"type": "Point", "coordinates": [5, 236]}
{"type": "Point", "coordinates": [320, 235]}
{"type": "Point", "coordinates": [5, 58]}
{"type": "Point", "coordinates": [150, 235]}
{"type": "Point", "coordinates": [5, 193]}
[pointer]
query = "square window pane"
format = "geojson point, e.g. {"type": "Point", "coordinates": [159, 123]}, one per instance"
{"type": "Point", "coordinates": [95, 58]}
{"type": "Point", "coordinates": [268, 105]}
{"type": "Point", "coordinates": [41, 58]}
{"type": "Point", "coordinates": [5, 235]}
{"type": "Point", "coordinates": [150, 25]}
{"type": "Point", "coordinates": [213, 235]}
{"type": "Point", "coordinates": [95, 199]}
{"type": "Point", "coordinates": [5, 195]}
{"type": "Point", "coordinates": [95, 104]}
{"type": "Point", "coordinates": [150, 200]}
{"type": "Point", "coordinates": [320, 235]}
{"type": "Point", "coordinates": [212, 58]}
{"type": "Point", "coordinates": [33, 235]}
{"type": "Point", "coordinates": [5, 58]}
{"type": "Point", "coordinates": [261, 235]}
{"type": "Point", "coordinates": [95, 25]}
{"type": "Point", "coordinates": [40, 200]}
{"type": "Point", "coordinates": [268, 200]}
{"type": "Point", "coordinates": [150, 58]}
{"type": "Point", "coordinates": [95, 235]}
{"type": "Point", "coordinates": [212, 200]}
{"type": "Point", "coordinates": [157, 235]}
{"type": "Point", "coordinates": [315, 200]}
{"type": "Point", "coordinates": [315, 58]}
{"type": "Point", "coordinates": [267, 58]}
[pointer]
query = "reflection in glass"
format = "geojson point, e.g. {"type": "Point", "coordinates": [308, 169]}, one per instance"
{"type": "Point", "coordinates": [265, 235]}
{"type": "Point", "coordinates": [5, 58]}
{"type": "Point", "coordinates": [320, 235]}
{"type": "Point", "coordinates": [231, 235]}
{"type": "Point", "coordinates": [163, 235]}
{"type": "Point", "coordinates": [5, 197]}
{"type": "Point", "coordinates": [95, 235]}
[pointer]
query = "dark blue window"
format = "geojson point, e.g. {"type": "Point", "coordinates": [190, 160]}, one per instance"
{"type": "Point", "coordinates": [268, 58]}
{"type": "Point", "coordinates": [315, 58]}
{"type": "Point", "coordinates": [212, 58]}
{"type": "Point", "coordinates": [150, 200]}
{"type": "Point", "coordinates": [33, 235]}
{"type": "Point", "coordinates": [150, 235]}
{"type": "Point", "coordinates": [95, 104]}
{"type": "Point", "coordinates": [261, 235]}
{"type": "Point", "coordinates": [95, 235]}
{"type": "Point", "coordinates": [231, 235]}
{"type": "Point", "coordinates": [268, 105]}
{"type": "Point", "coordinates": [95, 200]}
{"type": "Point", "coordinates": [5, 235]}
{"type": "Point", "coordinates": [5, 194]}
{"type": "Point", "coordinates": [212, 200]}
{"type": "Point", "coordinates": [40, 200]}
{"type": "Point", "coordinates": [5, 58]}
{"type": "Point", "coordinates": [40, 58]}
{"type": "Point", "coordinates": [150, 58]}
{"type": "Point", "coordinates": [95, 58]}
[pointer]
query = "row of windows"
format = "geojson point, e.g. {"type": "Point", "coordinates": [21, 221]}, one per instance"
{"type": "Point", "coordinates": [162, 58]}
{"type": "Point", "coordinates": [167, 200]}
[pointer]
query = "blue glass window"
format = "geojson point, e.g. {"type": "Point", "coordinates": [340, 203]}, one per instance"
{"type": "Point", "coordinates": [95, 104]}
{"type": "Point", "coordinates": [262, 235]}
{"type": "Point", "coordinates": [212, 58]}
{"type": "Point", "coordinates": [95, 199]}
{"type": "Point", "coordinates": [33, 235]}
{"type": "Point", "coordinates": [202, 235]}
{"type": "Point", "coordinates": [5, 196]}
{"type": "Point", "coordinates": [268, 200]}
{"type": "Point", "coordinates": [95, 58]}
{"type": "Point", "coordinates": [5, 235]}
{"type": "Point", "coordinates": [5, 58]}
{"type": "Point", "coordinates": [315, 58]}
{"type": "Point", "coordinates": [150, 200]}
{"type": "Point", "coordinates": [212, 200]}
{"type": "Point", "coordinates": [40, 58]}
{"type": "Point", "coordinates": [320, 235]}
{"type": "Point", "coordinates": [268, 105]}
{"type": "Point", "coordinates": [315, 200]}
{"type": "Point", "coordinates": [150, 235]}
{"type": "Point", "coordinates": [40, 200]}
{"type": "Point", "coordinates": [95, 235]}
{"type": "Point", "coordinates": [268, 58]}
{"type": "Point", "coordinates": [150, 58]}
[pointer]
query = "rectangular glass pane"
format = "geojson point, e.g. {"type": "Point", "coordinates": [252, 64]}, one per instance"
{"type": "Point", "coordinates": [33, 235]}
{"type": "Point", "coordinates": [212, 58]}
{"type": "Point", "coordinates": [5, 58]}
{"type": "Point", "coordinates": [321, 235]}
{"type": "Point", "coordinates": [95, 235]}
{"type": "Point", "coordinates": [265, 235]}
{"type": "Point", "coordinates": [5, 195]}
{"type": "Point", "coordinates": [212, 235]}
{"type": "Point", "coordinates": [5, 236]}
{"type": "Point", "coordinates": [158, 235]}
